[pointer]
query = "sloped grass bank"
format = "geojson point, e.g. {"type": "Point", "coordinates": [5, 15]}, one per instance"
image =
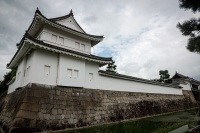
{"type": "Point", "coordinates": [132, 127]}
{"type": "Point", "coordinates": [158, 124]}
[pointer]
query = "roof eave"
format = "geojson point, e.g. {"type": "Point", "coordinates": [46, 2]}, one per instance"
{"type": "Point", "coordinates": [11, 81]}
{"type": "Point", "coordinates": [102, 62]}
{"type": "Point", "coordinates": [20, 53]}
{"type": "Point", "coordinates": [28, 44]}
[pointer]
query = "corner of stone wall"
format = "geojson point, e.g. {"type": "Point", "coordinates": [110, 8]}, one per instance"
{"type": "Point", "coordinates": [12, 112]}
{"type": "Point", "coordinates": [190, 96]}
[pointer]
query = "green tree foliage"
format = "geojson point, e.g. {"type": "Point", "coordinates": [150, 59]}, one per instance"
{"type": "Point", "coordinates": [164, 76]}
{"type": "Point", "coordinates": [7, 77]}
{"type": "Point", "coordinates": [191, 27]}
{"type": "Point", "coordinates": [111, 67]}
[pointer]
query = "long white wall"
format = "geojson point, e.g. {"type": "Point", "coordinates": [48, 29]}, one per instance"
{"type": "Point", "coordinates": [49, 68]}
{"type": "Point", "coordinates": [116, 84]}
{"type": "Point", "coordinates": [109, 83]}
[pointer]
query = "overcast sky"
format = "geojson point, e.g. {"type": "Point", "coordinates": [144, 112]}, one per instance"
{"type": "Point", "coordinates": [140, 35]}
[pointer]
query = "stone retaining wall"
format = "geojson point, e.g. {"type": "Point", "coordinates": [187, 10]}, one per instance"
{"type": "Point", "coordinates": [39, 107]}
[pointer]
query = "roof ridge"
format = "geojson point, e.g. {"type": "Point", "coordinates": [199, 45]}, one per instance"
{"type": "Point", "coordinates": [63, 17]}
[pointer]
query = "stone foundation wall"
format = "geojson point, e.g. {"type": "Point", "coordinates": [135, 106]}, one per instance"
{"type": "Point", "coordinates": [39, 107]}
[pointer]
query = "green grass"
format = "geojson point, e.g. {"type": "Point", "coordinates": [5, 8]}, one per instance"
{"type": "Point", "coordinates": [140, 126]}
{"type": "Point", "coordinates": [158, 124]}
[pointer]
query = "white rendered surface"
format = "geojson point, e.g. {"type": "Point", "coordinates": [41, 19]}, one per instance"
{"type": "Point", "coordinates": [186, 86]}
{"type": "Point", "coordinates": [109, 83]}
{"type": "Point", "coordinates": [74, 64]}
{"type": "Point", "coordinates": [22, 77]}
{"type": "Point", "coordinates": [28, 65]}
{"type": "Point", "coordinates": [44, 58]}
{"type": "Point", "coordinates": [69, 22]}
{"type": "Point", "coordinates": [57, 69]}
{"type": "Point", "coordinates": [69, 41]}
{"type": "Point", "coordinates": [12, 87]}
{"type": "Point", "coordinates": [91, 68]}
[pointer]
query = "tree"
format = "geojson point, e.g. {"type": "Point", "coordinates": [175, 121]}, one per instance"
{"type": "Point", "coordinates": [7, 77]}
{"type": "Point", "coordinates": [164, 76]}
{"type": "Point", "coordinates": [111, 67]}
{"type": "Point", "coordinates": [191, 27]}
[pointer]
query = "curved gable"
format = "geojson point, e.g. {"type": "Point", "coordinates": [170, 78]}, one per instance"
{"type": "Point", "coordinates": [71, 23]}
{"type": "Point", "coordinates": [68, 21]}
{"type": "Point", "coordinates": [39, 21]}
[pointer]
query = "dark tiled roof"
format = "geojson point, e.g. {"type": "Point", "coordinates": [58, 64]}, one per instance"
{"type": "Point", "coordinates": [53, 21]}
{"type": "Point", "coordinates": [178, 75]}
{"type": "Point", "coordinates": [112, 74]}
{"type": "Point", "coordinates": [68, 50]}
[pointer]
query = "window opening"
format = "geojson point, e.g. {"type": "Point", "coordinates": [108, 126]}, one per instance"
{"type": "Point", "coordinates": [54, 38]}
{"type": "Point", "coordinates": [69, 73]}
{"type": "Point", "coordinates": [91, 76]}
{"type": "Point", "coordinates": [61, 40]}
{"type": "Point", "coordinates": [83, 47]}
{"type": "Point", "coordinates": [76, 73]}
{"type": "Point", "coordinates": [47, 70]}
{"type": "Point", "coordinates": [77, 45]}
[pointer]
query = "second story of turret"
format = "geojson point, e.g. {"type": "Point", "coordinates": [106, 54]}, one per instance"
{"type": "Point", "coordinates": [63, 32]}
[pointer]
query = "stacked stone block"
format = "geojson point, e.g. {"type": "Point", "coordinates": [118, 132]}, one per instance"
{"type": "Point", "coordinates": [41, 107]}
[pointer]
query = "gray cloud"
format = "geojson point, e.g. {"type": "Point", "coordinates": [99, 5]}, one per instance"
{"type": "Point", "coordinates": [140, 35]}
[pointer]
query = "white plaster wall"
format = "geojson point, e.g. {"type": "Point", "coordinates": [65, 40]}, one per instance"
{"type": "Point", "coordinates": [28, 65]}
{"type": "Point", "coordinates": [91, 67]}
{"type": "Point", "coordinates": [108, 83]}
{"type": "Point", "coordinates": [22, 78]}
{"type": "Point", "coordinates": [12, 87]}
{"type": "Point", "coordinates": [69, 40]}
{"type": "Point", "coordinates": [68, 62]}
{"type": "Point", "coordinates": [19, 78]}
{"type": "Point", "coordinates": [186, 86]}
{"type": "Point", "coordinates": [59, 64]}
{"type": "Point", "coordinates": [69, 22]}
{"type": "Point", "coordinates": [41, 59]}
